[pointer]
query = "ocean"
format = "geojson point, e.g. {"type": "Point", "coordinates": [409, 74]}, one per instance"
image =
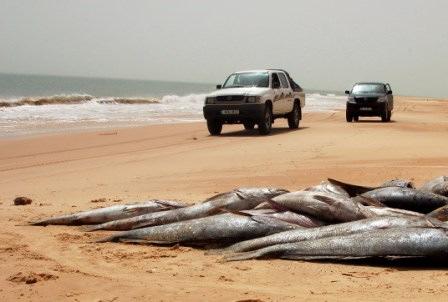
{"type": "Point", "coordinates": [36, 104]}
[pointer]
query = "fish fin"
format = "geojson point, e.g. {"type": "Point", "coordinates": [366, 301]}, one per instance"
{"type": "Point", "coordinates": [171, 204]}
{"type": "Point", "coordinates": [235, 212]}
{"type": "Point", "coordinates": [351, 189]}
{"type": "Point", "coordinates": [324, 199]}
{"type": "Point", "coordinates": [215, 196]}
{"type": "Point", "coordinates": [368, 201]}
{"type": "Point", "coordinates": [277, 206]}
{"type": "Point", "coordinates": [148, 242]}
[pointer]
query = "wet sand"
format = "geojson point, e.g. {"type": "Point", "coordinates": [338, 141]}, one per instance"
{"type": "Point", "coordinates": [64, 173]}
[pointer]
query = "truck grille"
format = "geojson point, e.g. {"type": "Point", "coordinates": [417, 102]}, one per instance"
{"type": "Point", "coordinates": [366, 100]}
{"type": "Point", "coordinates": [230, 98]}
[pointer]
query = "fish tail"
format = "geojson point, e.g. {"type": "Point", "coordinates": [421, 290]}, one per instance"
{"type": "Point", "coordinates": [114, 238]}
{"type": "Point", "coordinates": [440, 214]}
{"type": "Point", "coordinates": [242, 256]}
{"type": "Point", "coordinates": [91, 228]}
{"type": "Point", "coordinates": [39, 223]}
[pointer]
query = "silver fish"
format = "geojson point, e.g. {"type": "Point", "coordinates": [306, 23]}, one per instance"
{"type": "Point", "coordinates": [111, 213]}
{"type": "Point", "coordinates": [395, 242]}
{"type": "Point", "coordinates": [354, 190]}
{"type": "Point", "coordinates": [332, 230]}
{"type": "Point", "coordinates": [237, 200]}
{"type": "Point", "coordinates": [218, 228]}
{"type": "Point", "coordinates": [408, 199]}
{"type": "Point", "coordinates": [325, 206]}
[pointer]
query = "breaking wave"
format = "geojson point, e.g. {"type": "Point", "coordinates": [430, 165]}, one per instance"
{"type": "Point", "coordinates": [74, 99]}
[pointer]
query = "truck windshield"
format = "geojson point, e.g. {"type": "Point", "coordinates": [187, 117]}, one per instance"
{"type": "Point", "coordinates": [368, 89]}
{"type": "Point", "coordinates": [247, 79]}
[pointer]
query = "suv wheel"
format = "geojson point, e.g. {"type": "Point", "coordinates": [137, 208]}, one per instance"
{"type": "Point", "coordinates": [294, 117]}
{"type": "Point", "coordinates": [214, 127]}
{"type": "Point", "coordinates": [249, 125]}
{"type": "Point", "coordinates": [348, 115]}
{"type": "Point", "coordinates": [389, 115]}
{"type": "Point", "coordinates": [385, 115]}
{"type": "Point", "coordinates": [265, 125]}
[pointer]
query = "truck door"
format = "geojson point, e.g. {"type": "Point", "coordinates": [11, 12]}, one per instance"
{"type": "Point", "coordinates": [287, 100]}
{"type": "Point", "coordinates": [390, 97]}
{"type": "Point", "coordinates": [277, 92]}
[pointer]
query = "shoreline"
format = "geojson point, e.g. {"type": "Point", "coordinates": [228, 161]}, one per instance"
{"type": "Point", "coordinates": [55, 128]}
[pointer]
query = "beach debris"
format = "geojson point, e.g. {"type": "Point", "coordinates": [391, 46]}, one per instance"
{"type": "Point", "coordinates": [332, 220]}
{"type": "Point", "coordinates": [22, 201]}
{"type": "Point", "coordinates": [31, 278]}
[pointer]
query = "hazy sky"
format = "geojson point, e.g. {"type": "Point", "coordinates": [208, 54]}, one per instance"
{"type": "Point", "coordinates": [324, 44]}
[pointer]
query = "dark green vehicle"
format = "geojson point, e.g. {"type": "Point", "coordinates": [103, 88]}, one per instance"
{"type": "Point", "coordinates": [369, 99]}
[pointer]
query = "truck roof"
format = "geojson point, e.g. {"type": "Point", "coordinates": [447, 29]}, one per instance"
{"type": "Point", "coordinates": [254, 70]}
{"type": "Point", "coordinates": [370, 83]}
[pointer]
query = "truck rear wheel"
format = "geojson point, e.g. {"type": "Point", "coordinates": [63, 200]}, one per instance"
{"type": "Point", "coordinates": [265, 125]}
{"type": "Point", "coordinates": [294, 117]}
{"type": "Point", "coordinates": [214, 127]}
{"type": "Point", "coordinates": [385, 115]}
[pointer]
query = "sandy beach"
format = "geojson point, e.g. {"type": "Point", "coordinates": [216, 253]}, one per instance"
{"type": "Point", "coordinates": [66, 172]}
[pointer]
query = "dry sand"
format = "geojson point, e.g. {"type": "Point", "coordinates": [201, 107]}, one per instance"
{"type": "Point", "coordinates": [63, 173]}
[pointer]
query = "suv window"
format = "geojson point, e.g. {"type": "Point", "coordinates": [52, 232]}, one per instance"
{"type": "Point", "coordinates": [275, 81]}
{"type": "Point", "coordinates": [283, 80]}
{"type": "Point", "coordinates": [368, 88]}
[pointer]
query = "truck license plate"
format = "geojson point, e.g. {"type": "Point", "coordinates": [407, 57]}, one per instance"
{"type": "Point", "coordinates": [227, 112]}
{"type": "Point", "coordinates": [365, 109]}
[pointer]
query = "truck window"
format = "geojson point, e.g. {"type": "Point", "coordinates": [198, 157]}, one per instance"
{"type": "Point", "coordinates": [275, 81]}
{"type": "Point", "coordinates": [283, 80]}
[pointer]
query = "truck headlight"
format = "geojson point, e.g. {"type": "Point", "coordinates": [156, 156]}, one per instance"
{"type": "Point", "coordinates": [381, 100]}
{"type": "Point", "coordinates": [252, 99]}
{"type": "Point", "coordinates": [210, 100]}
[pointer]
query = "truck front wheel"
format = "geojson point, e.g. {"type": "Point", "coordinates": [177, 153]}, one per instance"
{"type": "Point", "coordinates": [349, 115]}
{"type": "Point", "coordinates": [294, 117]}
{"type": "Point", "coordinates": [265, 125]}
{"type": "Point", "coordinates": [214, 127]}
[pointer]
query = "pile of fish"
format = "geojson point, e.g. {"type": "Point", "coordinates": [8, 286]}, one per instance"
{"type": "Point", "coordinates": [333, 220]}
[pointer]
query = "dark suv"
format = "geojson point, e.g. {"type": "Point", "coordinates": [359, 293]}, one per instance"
{"type": "Point", "coordinates": [370, 99]}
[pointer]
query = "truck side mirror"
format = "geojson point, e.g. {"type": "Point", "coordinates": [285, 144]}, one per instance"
{"type": "Point", "coordinates": [389, 92]}
{"type": "Point", "coordinates": [347, 92]}
{"type": "Point", "coordinates": [218, 86]}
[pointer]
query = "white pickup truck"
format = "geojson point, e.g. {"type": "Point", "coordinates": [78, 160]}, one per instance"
{"type": "Point", "coordinates": [255, 97]}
